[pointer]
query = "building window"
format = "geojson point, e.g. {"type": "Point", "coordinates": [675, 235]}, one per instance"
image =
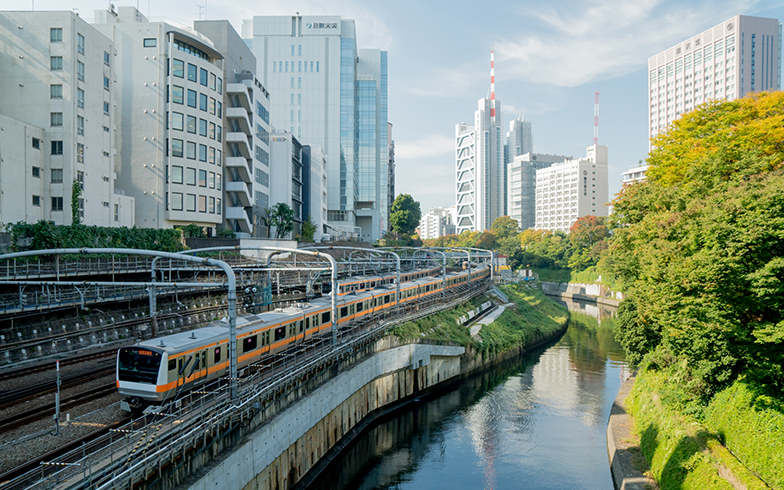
{"type": "Point", "coordinates": [116, 212]}
{"type": "Point", "coordinates": [212, 81]}
{"type": "Point", "coordinates": [36, 143]}
{"type": "Point", "coordinates": [212, 205]}
{"type": "Point", "coordinates": [190, 150]}
{"type": "Point", "coordinates": [80, 178]}
{"type": "Point", "coordinates": [317, 66]}
{"type": "Point", "coordinates": [106, 83]}
{"type": "Point", "coordinates": [80, 125]}
{"type": "Point", "coordinates": [55, 119]}
{"type": "Point", "coordinates": [176, 203]}
{"type": "Point", "coordinates": [106, 108]}
{"type": "Point", "coordinates": [150, 42]}
{"type": "Point", "coordinates": [202, 178]}
{"type": "Point", "coordinates": [190, 202]}
{"type": "Point", "coordinates": [81, 208]}
{"type": "Point", "coordinates": [192, 72]}
{"type": "Point", "coordinates": [211, 155]}
{"type": "Point", "coordinates": [292, 82]}
{"type": "Point", "coordinates": [79, 43]}
{"type": "Point", "coordinates": [79, 153]}
{"type": "Point", "coordinates": [177, 148]}
{"type": "Point", "coordinates": [202, 204]}
{"type": "Point", "coordinates": [56, 63]}
{"type": "Point", "coordinates": [191, 98]}
{"type": "Point", "coordinates": [56, 34]}
{"type": "Point", "coordinates": [220, 129]}
{"type": "Point", "coordinates": [80, 98]}
{"type": "Point", "coordinates": [220, 109]}
{"type": "Point", "coordinates": [55, 91]}
{"type": "Point", "coordinates": [203, 102]}
{"type": "Point", "coordinates": [211, 180]}
{"type": "Point", "coordinates": [57, 176]}
{"type": "Point", "coordinates": [176, 174]}
{"type": "Point", "coordinates": [37, 172]}
{"type": "Point", "coordinates": [218, 182]}
{"type": "Point", "coordinates": [190, 176]}
{"type": "Point", "coordinates": [211, 107]}
{"type": "Point", "coordinates": [203, 76]}
{"type": "Point", "coordinates": [57, 147]}
{"type": "Point", "coordinates": [178, 68]}
{"type": "Point", "coordinates": [57, 204]}
{"type": "Point", "coordinates": [203, 153]}
{"type": "Point", "coordinates": [80, 71]}
{"type": "Point", "coordinates": [212, 131]}
{"type": "Point", "coordinates": [299, 82]}
{"type": "Point", "coordinates": [106, 58]}
{"type": "Point", "coordinates": [220, 85]}
{"type": "Point", "coordinates": [37, 201]}
{"type": "Point", "coordinates": [177, 120]}
{"type": "Point", "coordinates": [177, 94]}
{"type": "Point", "coordinates": [191, 124]}
{"type": "Point", "coordinates": [218, 205]}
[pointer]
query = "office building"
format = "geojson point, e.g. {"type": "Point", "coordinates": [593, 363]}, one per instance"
{"type": "Point", "coordinates": [326, 91]}
{"type": "Point", "coordinates": [519, 141]}
{"type": "Point", "coordinates": [58, 89]}
{"type": "Point", "coordinates": [286, 181]}
{"type": "Point", "coordinates": [521, 187]}
{"type": "Point", "coordinates": [479, 168]}
{"type": "Point", "coordinates": [738, 56]}
{"type": "Point", "coordinates": [170, 94]}
{"type": "Point", "coordinates": [314, 175]}
{"type": "Point", "coordinates": [436, 223]}
{"type": "Point", "coordinates": [572, 189]}
{"type": "Point", "coordinates": [246, 134]}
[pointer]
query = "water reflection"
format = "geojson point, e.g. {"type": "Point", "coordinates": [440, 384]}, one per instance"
{"type": "Point", "coordinates": [538, 422]}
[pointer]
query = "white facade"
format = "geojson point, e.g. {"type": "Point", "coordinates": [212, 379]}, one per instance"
{"type": "Point", "coordinates": [326, 91]}
{"type": "Point", "coordinates": [634, 174]}
{"type": "Point", "coordinates": [479, 170]}
{"type": "Point", "coordinates": [521, 185]}
{"type": "Point", "coordinates": [57, 93]}
{"type": "Point", "coordinates": [286, 180]}
{"type": "Point", "coordinates": [738, 56]}
{"type": "Point", "coordinates": [436, 223]}
{"type": "Point", "coordinates": [317, 189]}
{"type": "Point", "coordinates": [572, 189]}
{"type": "Point", "coordinates": [246, 123]}
{"type": "Point", "coordinates": [170, 104]}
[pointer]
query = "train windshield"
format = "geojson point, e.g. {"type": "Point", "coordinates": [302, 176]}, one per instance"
{"type": "Point", "coordinates": [139, 365]}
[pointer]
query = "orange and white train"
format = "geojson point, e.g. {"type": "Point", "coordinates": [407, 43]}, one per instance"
{"type": "Point", "coordinates": [157, 370]}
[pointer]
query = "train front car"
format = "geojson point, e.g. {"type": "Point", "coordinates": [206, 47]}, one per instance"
{"type": "Point", "coordinates": [138, 374]}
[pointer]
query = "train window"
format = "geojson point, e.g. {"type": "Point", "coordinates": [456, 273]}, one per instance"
{"type": "Point", "coordinates": [293, 328]}
{"type": "Point", "coordinates": [386, 299]}
{"type": "Point", "coordinates": [307, 323]}
{"type": "Point", "coordinates": [325, 317]}
{"type": "Point", "coordinates": [172, 364]}
{"type": "Point", "coordinates": [362, 285]}
{"type": "Point", "coordinates": [301, 324]}
{"type": "Point", "coordinates": [359, 307]}
{"type": "Point", "coordinates": [280, 333]}
{"type": "Point", "coordinates": [249, 343]}
{"type": "Point", "coordinates": [204, 359]}
{"type": "Point", "coordinates": [217, 355]}
{"type": "Point", "coordinates": [372, 284]}
{"type": "Point", "coordinates": [344, 312]}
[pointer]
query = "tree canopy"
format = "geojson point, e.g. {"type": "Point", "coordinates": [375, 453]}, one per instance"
{"type": "Point", "coordinates": [281, 216]}
{"type": "Point", "coordinates": [405, 215]}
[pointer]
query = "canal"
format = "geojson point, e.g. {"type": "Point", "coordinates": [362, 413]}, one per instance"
{"type": "Point", "coordinates": [537, 422]}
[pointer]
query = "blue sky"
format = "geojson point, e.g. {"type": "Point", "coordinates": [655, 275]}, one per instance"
{"type": "Point", "coordinates": [550, 59]}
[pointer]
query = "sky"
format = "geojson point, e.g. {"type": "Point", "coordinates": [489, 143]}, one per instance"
{"type": "Point", "coordinates": [550, 59]}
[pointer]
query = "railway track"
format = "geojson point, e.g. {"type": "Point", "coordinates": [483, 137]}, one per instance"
{"type": "Point", "coordinates": [14, 397]}
{"type": "Point", "coordinates": [49, 366]}
{"type": "Point", "coordinates": [38, 413]}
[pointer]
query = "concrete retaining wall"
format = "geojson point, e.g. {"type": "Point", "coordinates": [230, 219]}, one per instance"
{"type": "Point", "coordinates": [598, 293]}
{"type": "Point", "coordinates": [621, 448]}
{"type": "Point", "coordinates": [280, 452]}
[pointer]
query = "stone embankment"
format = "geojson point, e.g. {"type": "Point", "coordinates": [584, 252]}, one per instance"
{"type": "Point", "coordinates": [591, 292]}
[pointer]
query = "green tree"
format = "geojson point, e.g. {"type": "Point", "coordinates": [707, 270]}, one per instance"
{"type": "Point", "coordinates": [587, 238]}
{"type": "Point", "coordinates": [76, 194]}
{"type": "Point", "coordinates": [405, 215]}
{"type": "Point", "coordinates": [192, 230]}
{"type": "Point", "coordinates": [308, 231]}
{"type": "Point", "coordinates": [281, 216]}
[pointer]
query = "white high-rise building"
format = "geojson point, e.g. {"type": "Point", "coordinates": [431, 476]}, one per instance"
{"type": "Point", "coordinates": [521, 188]}
{"type": "Point", "coordinates": [170, 107]}
{"type": "Point", "coordinates": [572, 189]}
{"type": "Point", "coordinates": [436, 223]}
{"type": "Point", "coordinates": [519, 141]}
{"type": "Point", "coordinates": [738, 56]}
{"type": "Point", "coordinates": [634, 174]}
{"type": "Point", "coordinates": [480, 170]}
{"type": "Point", "coordinates": [327, 92]}
{"type": "Point", "coordinates": [58, 90]}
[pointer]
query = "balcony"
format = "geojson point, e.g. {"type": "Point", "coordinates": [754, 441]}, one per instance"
{"type": "Point", "coordinates": [242, 116]}
{"type": "Point", "coordinates": [241, 190]}
{"type": "Point", "coordinates": [242, 92]}
{"type": "Point", "coordinates": [239, 215]}
{"type": "Point", "coordinates": [241, 140]}
{"type": "Point", "coordinates": [241, 164]}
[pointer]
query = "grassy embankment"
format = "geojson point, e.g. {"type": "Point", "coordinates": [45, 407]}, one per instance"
{"type": "Point", "coordinates": [737, 441]}
{"type": "Point", "coordinates": [534, 318]}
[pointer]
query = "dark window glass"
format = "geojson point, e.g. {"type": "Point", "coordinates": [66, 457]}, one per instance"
{"type": "Point", "coordinates": [344, 312]}
{"type": "Point", "coordinates": [249, 343]}
{"type": "Point", "coordinates": [325, 317]}
{"type": "Point", "coordinates": [138, 365]}
{"type": "Point", "coordinates": [150, 42]}
{"type": "Point", "coordinates": [217, 355]}
{"type": "Point", "coordinates": [203, 102]}
{"type": "Point", "coordinates": [280, 333]}
{"type": "Point", "coordinates": [203, 76]}
{"type": "Point", "coordinates": [191, 72]}
{"type": "Point", "coordinates": [191, 98]}
{"type": "Point", "coordinates": [172, 364]}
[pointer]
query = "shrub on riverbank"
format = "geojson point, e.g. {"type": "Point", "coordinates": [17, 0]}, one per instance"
{"type": "Point", "coordinates": [684, 447]}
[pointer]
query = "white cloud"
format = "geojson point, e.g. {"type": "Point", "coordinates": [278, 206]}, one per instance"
{"type": "Point", "coordinates": [430, 146]}
{"type": "Point", "coordinates": [604, 39]}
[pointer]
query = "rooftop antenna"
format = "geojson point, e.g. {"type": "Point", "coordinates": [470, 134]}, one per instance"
{"type": "Point", "coordinates": [492, 87]}
{"type": "Point", "coordinates": [202, 9]}
{"type": "Point", "coordinates": [596, 119]}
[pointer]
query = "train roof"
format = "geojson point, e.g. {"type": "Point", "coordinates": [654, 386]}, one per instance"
{"type": "Point", "coordinates": [185, 340]}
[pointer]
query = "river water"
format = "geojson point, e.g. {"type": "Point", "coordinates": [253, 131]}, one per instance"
{"type": "Point", "coordinates": [537, 422]}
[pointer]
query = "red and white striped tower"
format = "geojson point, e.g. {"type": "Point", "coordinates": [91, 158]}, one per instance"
{"type": "Point", "coordinates": [492, 88]}
{"type": "Point", "coordinates": [596, 120]}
